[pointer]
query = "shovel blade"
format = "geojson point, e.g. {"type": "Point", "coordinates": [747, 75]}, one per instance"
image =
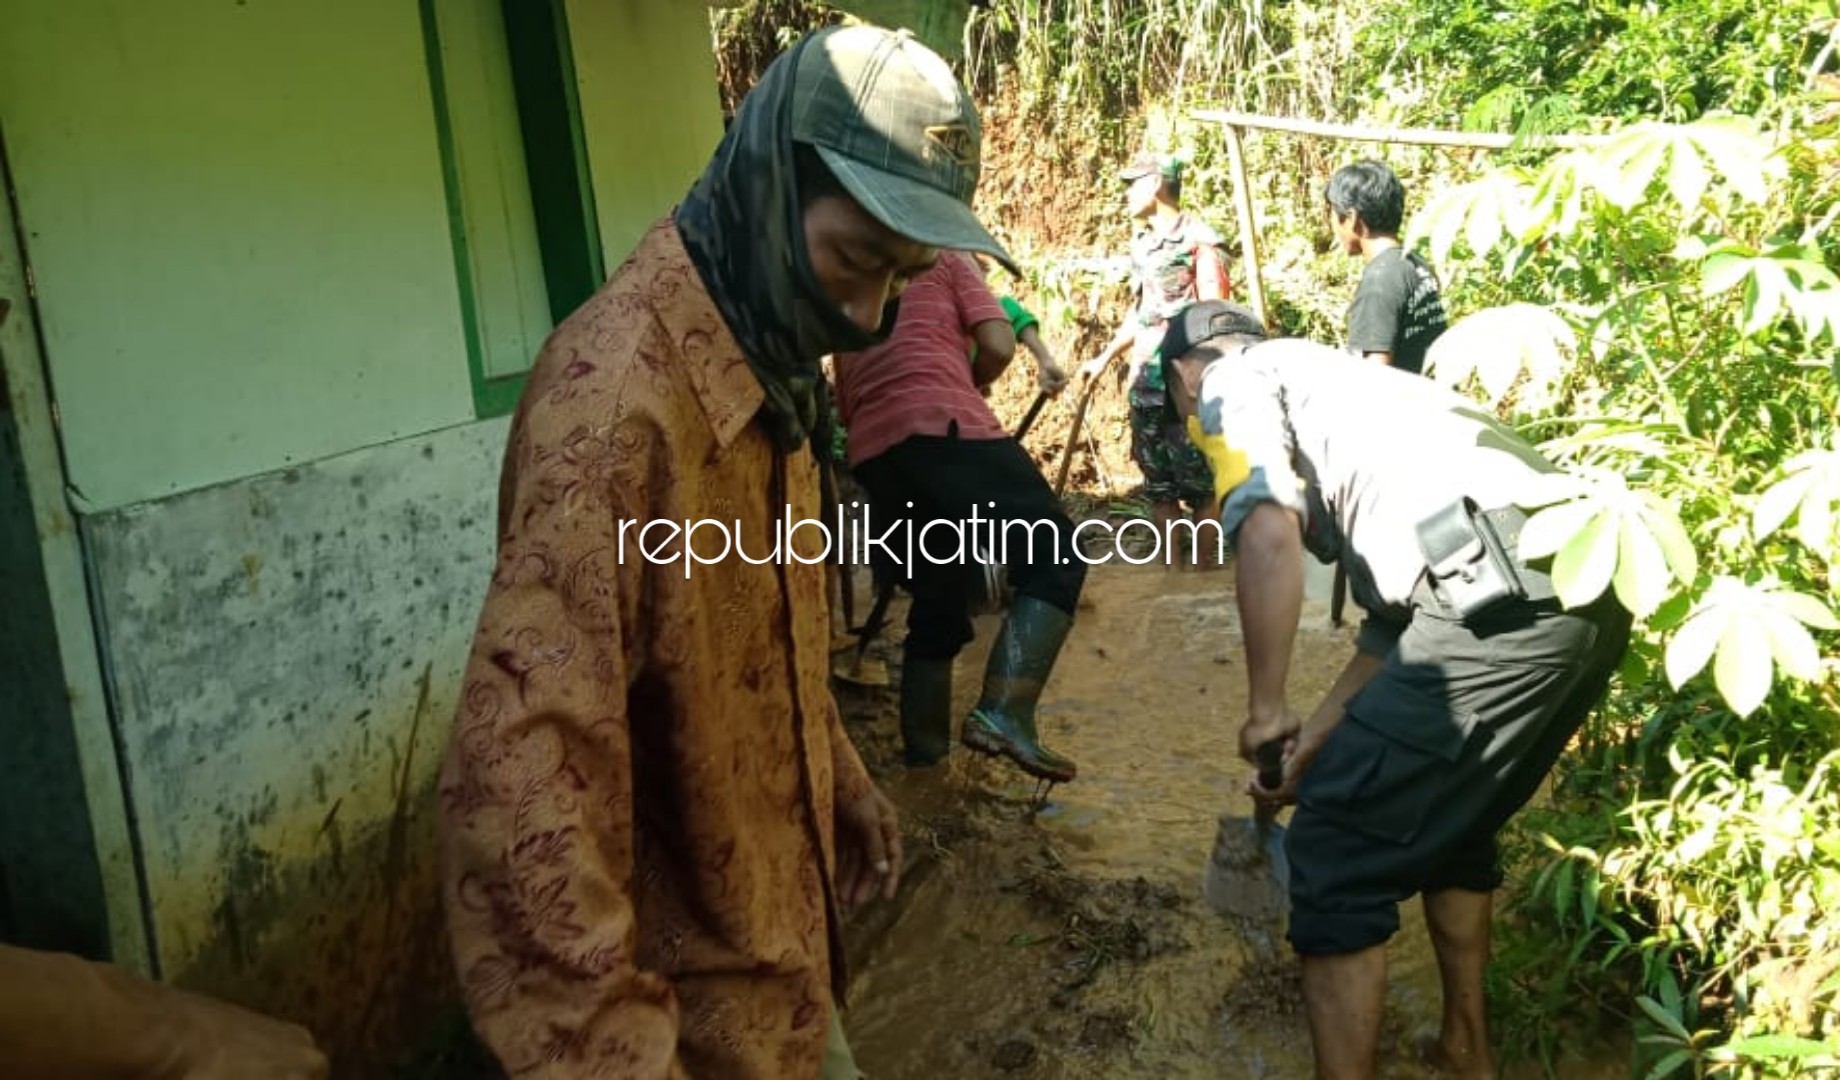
{"type": "Point", "coordinates": [1248, 873]}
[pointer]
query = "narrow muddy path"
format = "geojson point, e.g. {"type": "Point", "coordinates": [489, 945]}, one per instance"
{"type": "Point", "coordinates": [1073, 941]}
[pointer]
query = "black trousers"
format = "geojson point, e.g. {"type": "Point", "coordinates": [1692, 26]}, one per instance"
{"type": "Point", "coordinates": [1451, 737]}
{"type": "Point", "coordinates": [945, 478]}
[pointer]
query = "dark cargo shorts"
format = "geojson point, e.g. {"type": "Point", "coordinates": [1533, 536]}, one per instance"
{"type": "Point", "coordinates": [1452, 736]}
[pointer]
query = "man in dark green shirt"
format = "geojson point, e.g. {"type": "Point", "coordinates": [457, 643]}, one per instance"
{"type": "Point", "coordinates": [1398, 309]}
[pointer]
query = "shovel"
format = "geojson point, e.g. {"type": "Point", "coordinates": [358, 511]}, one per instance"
{"type": "Point", "coordinates": [1028, 418]}
{"type": "Point", "coordinates": [1248, 873]}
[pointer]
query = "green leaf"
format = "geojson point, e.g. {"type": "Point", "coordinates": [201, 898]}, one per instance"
{"type": "Point", "coordinates": [1548, 530]}
{"type": "Point", "coordinates": [1669, 1065]}
{"type": "Point", "coordinates": [1814, 524]}
{"type": "Point", "coordinates": [1563, 886]}
{"type": "Point", "coordinates": [1473, 211]}
{"type": "Point", "coordinates": [1804, 609]}
{"type": "Point", "coordinates": [1671, 613]}
{"type": "Point", "coordinates": [1444, 224]}
{"type": "Point", "coordinates": [1742, 668]}
{"type": "Point", "coordinates": [1722, 272]}
{"type": "Point", "coordinates": [1483, 229]}
{"type": "Point", "coordinates": [1676, 545]}
{"type": "Point", "coordinates": [1818, 312]}
{"type": "Point", "coordinates": [1790, 644]}
{"type": "Point", "coordinates": [1624, 176]}
{"type": "Point", "coordinates": [1498, 344]}
{"type": "Point", "coordinates": [1736, 153]}
{"type": "Point", "coordinates": [1764, 296]}
{"type": "Point", "coordinates": [1635, 668]}
{"type": "Point", "coordinates": [1670, 994]}
{"type": "Point", "coordinates": [1781, 1046]}
{"type": "Point", "coordinates": [1694, 643]}
{"type": "Point", "coordinates": [1642, 575]}
{"type": "Point", "coordinates": [1547, 191]}
{"type": "Point", "coordinates": [1664, 1020]}
{"type": "Point", "coordinates": [1775, 505]}
{"type": "Point", "coordinates": [1686, 178]}
{"type": "Point", "coordinates": [1581, 570]}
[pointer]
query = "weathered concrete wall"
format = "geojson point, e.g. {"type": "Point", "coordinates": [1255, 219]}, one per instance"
{"type": "Point", "coordinates": [284, 654]}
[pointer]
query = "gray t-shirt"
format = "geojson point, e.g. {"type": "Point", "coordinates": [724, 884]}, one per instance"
{"type": "Point", "coordinates": [1363, 453]}
{"type": "Point", "coordinates": [1397, 309]}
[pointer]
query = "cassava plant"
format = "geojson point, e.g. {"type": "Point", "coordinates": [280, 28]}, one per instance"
{"type": "Point", "coordinates": [1673, 293]}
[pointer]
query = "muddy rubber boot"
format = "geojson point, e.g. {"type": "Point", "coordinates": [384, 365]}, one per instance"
{"type": "Point", "coordinates": [1003, 724]}
{"type": "Point", "coordinates": [926, 709]}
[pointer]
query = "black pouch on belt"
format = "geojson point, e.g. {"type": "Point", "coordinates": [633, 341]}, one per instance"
{"type": "Point", "coordinates": [1469, 566]}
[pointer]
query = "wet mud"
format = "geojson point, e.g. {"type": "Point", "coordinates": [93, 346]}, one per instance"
{"type": "Point", "coordinates": [1072, 939]}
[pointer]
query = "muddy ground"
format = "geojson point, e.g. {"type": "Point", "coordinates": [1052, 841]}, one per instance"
{"type": "Point", "coordinates": [1073, 940]}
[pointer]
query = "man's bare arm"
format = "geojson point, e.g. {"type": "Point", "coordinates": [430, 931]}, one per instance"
{"type": "Point", "coordinates": [1270, 590]}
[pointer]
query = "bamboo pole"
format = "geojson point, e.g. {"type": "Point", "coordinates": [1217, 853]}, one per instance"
{"type": "Point", "coordinates": [1415, 136]}
{"type": "Point", "coordinates": [1248, 231]}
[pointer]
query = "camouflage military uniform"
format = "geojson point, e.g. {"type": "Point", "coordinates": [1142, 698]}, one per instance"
{"type": "Point", "coordinates": [1164, 273]}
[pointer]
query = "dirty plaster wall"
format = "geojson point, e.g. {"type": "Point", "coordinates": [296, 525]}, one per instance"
{"type": "Point", "coordinates": [284, 654]}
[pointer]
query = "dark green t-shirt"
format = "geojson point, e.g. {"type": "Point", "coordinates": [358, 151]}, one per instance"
{"type": "Point", "coordinates": [1397, 309]}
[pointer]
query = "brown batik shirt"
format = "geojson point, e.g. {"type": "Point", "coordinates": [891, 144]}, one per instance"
{"type": "Point", "coordinates": [637, 802]}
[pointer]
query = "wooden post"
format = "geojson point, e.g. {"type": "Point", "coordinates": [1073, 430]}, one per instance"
{"type": "Point", "coordinates": [1248, 231]}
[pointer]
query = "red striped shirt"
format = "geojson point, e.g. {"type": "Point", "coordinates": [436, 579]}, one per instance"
{"type": "Point", "coordinates": [919, 380]}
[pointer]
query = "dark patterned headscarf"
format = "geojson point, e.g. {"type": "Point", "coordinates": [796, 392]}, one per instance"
{"type": "Point", "coordinates": [743, 226]}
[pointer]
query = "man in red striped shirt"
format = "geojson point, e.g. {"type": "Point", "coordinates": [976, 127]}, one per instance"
{"type": "Point", "coordinates": [926, 447]}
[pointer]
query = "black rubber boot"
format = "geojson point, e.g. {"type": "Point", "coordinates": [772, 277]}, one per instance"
{"type": "Point", "coordinates": [1003, 724]}
{"type": "Point", "coordinates": [926, 709]}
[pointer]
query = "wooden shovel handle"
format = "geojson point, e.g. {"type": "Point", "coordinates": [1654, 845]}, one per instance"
{"type": "Point", "coordinates": [1271, 764]}
{"type": "Point", "coordinates": [1028, 418]}
{"type": "Point", "coordinates": [1073, 433]}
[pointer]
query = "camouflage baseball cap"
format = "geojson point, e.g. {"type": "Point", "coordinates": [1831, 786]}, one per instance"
{"type": "Point", "coordinates": [1169, 168]}
{"type": "Point", "coordinates": [894, 124]}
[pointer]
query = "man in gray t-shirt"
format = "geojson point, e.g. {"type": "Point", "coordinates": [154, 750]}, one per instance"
{"type": "Point", "coordinates": [1398, 308]}
{"type": "Point", "coordinates": [1457, 701]}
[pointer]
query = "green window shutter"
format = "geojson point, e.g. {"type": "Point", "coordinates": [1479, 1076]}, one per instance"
{"type": "Point", "coordinates": [520, 205]}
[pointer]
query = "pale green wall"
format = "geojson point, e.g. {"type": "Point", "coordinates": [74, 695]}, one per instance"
{"type": "Point", "coordinates": [235, 216]}
{"type": "Point", "coordinates": [650, 110]}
